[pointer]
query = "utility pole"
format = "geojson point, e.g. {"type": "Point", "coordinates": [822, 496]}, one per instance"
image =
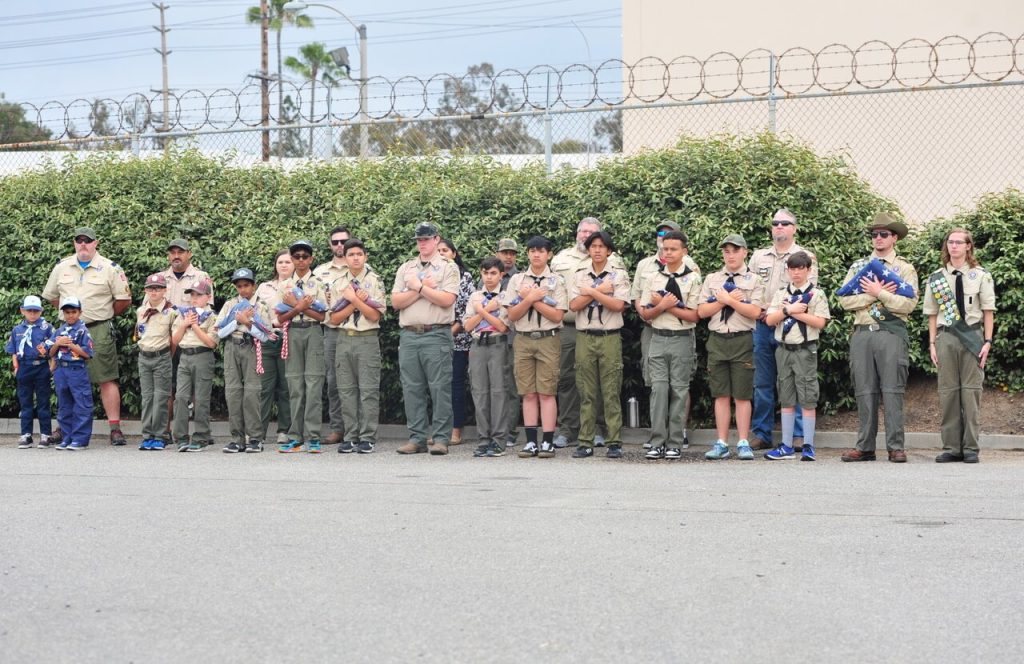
{"type": "Point", "coordinates": [163, 30]}
{"type": "Point", "coordinates": [265, 75]}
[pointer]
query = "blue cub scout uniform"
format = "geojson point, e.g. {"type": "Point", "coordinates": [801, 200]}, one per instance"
{"type": "Point", "coordinates": [33, 377]}
{"type": "Point", "coordinates": [74, 391]}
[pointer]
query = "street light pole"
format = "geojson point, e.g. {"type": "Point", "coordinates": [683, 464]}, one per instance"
{"type": "Point", "coordinates": [364, 129]}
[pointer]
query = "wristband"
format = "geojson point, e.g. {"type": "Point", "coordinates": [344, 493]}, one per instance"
{"type": "Point", "coordinates": [988, 341]}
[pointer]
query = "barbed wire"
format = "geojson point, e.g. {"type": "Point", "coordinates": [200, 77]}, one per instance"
{"type": "Point", "coordinates": [915, 63]}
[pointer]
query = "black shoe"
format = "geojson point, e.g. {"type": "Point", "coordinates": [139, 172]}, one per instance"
{"type": "Point", "coordinates": [614, 452]}
{"type": "Point", "coordinates": [233, 448]}
{"type": "Point", "coordinates": [346, 447]}
{"type": "Point", "coordinates": [673, 453]}
{"type": "Point", "coordinates": [481, 449]}
{"type": "Point", "coordinates": [949, 457]}
{"type": "Point", "coordinates": [117, 438]}
{"type": "Point", "coordinates": [547, 450]}
{"type": "Point", "coordinates": [970, 456]}
{"type": "Point", "coordinates": [365, 447]}
{"type": "Point", "coordinates": [582, 452]}
{"type": "Point", "coordinates": [495, 450]}
{"type": "Point", "coordinates": [254, 446]}
{"type": "Point", "coordinates": [656, 453]}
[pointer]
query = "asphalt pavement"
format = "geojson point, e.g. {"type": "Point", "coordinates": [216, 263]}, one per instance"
{"type": "Point", "coordinates": [117, 555]}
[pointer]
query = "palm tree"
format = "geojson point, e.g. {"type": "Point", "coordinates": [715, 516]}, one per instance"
{"type": "Point", "coordinates": [315, 65]}
{"type": "Point", "coordinates": [278, 19]}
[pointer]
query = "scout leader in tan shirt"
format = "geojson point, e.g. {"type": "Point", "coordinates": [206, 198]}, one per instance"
{"type": "Point", "coordinates": [330, 271]}
{"type": "Point", "coordinates": [181, 274]}
{"type": "Point", "coordinates": [769, 263]}
{"type": "Point", "coordinates": [426, 287]}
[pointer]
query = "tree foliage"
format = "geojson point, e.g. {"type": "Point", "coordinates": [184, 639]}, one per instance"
{"type": "Point", "coordinates": [16, 128]}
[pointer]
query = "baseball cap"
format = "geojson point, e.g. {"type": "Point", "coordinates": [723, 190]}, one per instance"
{"type": "Point", "coordinates": [300, 244]}
{"type": "Point", "coordinates": [156, 280]}
{"type": "Point", "coordinates": [734, 239]}
{"type": "Point", "coordinates": [425, 230]}
{"type": "Point", "coordinates": [86, 231]}
{"type": "Point", "coordinates": [243, 274]}
{"type": "Point", "coordinates": [32, 303]}
{"type": "Point", "coordinates": [70, 302]}
{"type": "Point", "coordinates": [507, 244]}
{"type": "Point", "coordinates": [202, 287]}
{"type": "Point", "coordinates": [665, 223]}
{"type": "Point", "coordinates": [179, 243]}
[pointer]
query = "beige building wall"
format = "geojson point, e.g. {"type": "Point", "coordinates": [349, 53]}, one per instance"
{"type": "Point", "coordinates": [930, 151]}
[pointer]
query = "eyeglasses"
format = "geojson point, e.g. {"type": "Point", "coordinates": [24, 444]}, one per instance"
{"type": "Point", "coordinates": [301, 257]}
{"type": "Point", "coordinates": [338, 243]}
{"type": "Point", "coordinates": [83, 240]}
{"type": "Point", "coordinates": [881, 234]}
{"type": "Point", "coordinates": [957, 242]}
{"type": "Point", "coordinates": [781, 223]}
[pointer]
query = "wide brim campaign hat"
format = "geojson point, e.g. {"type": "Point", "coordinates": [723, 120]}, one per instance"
{"type": "Point", "coordinates": [884, 220]}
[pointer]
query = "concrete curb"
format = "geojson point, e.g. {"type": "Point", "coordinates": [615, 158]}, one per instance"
{"type": "Point", "coordinates": [823, 439]}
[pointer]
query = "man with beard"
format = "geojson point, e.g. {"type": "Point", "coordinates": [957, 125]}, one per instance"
{"type": "Point", "coordinates": [328, 273]}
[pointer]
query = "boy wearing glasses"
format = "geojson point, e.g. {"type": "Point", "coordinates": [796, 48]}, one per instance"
{"type": "Point", "coordinates": [304, 304]}
{"type": "Point", "coordinates": [770, 265]}
{"type": "Point", "coordinates": [960, 302]}
{"type": "Point", "coordinates": [879, 347]}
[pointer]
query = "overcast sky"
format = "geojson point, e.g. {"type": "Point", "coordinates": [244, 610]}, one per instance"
{"type": "Point", "coordinates": [67, 49]}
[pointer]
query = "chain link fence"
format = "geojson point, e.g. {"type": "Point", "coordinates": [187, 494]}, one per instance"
{"type": "Point", "coordinates": [932, 125]}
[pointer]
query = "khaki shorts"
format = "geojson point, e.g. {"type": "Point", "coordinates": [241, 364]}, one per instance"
{"type": "Point", "coordinates": [103, 365]}
{"type": "Point", "coordinates": [731, 366]}
{"type": "Point", "coordinates": [536, 364]}
{"type": "Point", "coordinates": [797, 376]}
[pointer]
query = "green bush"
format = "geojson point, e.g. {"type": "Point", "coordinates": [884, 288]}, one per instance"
{"type": "Point", "coordinates": [241, 216]}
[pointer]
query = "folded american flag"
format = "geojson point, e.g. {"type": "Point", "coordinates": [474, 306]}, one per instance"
{"type": "Point", "coordinates": [877, 269]}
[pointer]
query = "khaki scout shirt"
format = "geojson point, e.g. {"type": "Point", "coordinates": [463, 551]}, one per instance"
{"type": "Point", "coordinates": [310, 285]}
{"type": "Point", "coordinates": [979, 295]}
{"type": "Point", "coordinates": [818, 306]}
{"type": "Point", "coordinates": [423, 311]}
{"type": "Point", "coordinates": [270, 293]}
{"type": "Point", "coordinates": [154, 333]}
{"type": "Point", "coordinates": [749, 288]}
{"type": "Point", "coordinates": [241, 330]}
{"type": "Point", "coordinates": [862, 305]}
{"type": "Point", "coordinates": [534, 321]}
{"type": "Point", "coordinates": [191, 339]}
{"type": "Point", "coordinates": [475, 304]}
{"type": "Point", "coordinates": [370, 282]}
{"type": "Point", "coordinates": [97, 286]}
{"type": "Point", "coordinates": [329, 273]}
{"type": "Point", "coordinates": [647, 268]}
{"type": "Point", "coordinates": [569, 261]}
{"type": "Point", "coordinates": [689, 287]}
{"type": "Point", "coordinates": [770, 266]}
{"type": "Point", "coordinates": [176, 287]}
{"type": "Point", "coordinates": [594, 318]}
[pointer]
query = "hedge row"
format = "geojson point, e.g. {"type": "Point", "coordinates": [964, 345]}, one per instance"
{"type": "Point", "coordinates": [237, 217]}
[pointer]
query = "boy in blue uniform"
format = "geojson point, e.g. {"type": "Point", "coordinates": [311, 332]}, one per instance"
{"type": "Point", "coordinates": [72, 346]}
{"type": "Point", "coordinates": [27, 349]}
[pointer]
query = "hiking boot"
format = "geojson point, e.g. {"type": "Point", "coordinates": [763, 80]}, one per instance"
{"type": "Point", "coordinates": [857, 455]}
{"type": "Point", "coordinates": [412, 447]}
{"type": "Point", "coordinates": [897, 456]}
{"type": "Point", "coordinates": [759, 443]}
{"type": "Point", "coordinates": [949, 457]}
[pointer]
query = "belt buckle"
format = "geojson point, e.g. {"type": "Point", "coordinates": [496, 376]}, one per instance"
{"type": "Point", "coordinates": [535, 335]}
{"type": "Point", "coordinates": [874, 327]}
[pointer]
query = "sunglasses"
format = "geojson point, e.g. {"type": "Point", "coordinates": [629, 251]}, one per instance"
{"type": "Point", "coordinates": [782, 223]}
{"type": "Point", "coordinates": [301, 257]}
{"type": "Point", "coordinates": [663, 232]}
{"type": "Point", "coordinates": [83, 240]}
{"type": "Point", "coordinates": [881, 234]}
{"type": "Point", "coordinates": [338, 243]}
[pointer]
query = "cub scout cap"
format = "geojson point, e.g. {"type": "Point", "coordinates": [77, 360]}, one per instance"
{"type": "Point", "coordinates": [32, 303]}
{"type": "Point", "coordinates": [735, 239]}
{"type": "Point", "coordinates": [243, 274]}
{"type": "Point", "coordinates": [86, 232]}
{"type": "Point", "coordinates": [508, 244]}
{"type": "Point", "coordinates": [425, 230]}
{"type": "Point", "coordinates": [180, 243]}
{"type": "Point", "coordinates": [300, 244]}
{"type": "Point", "coordinates": [202, 288]}
{"type": "Point", "coordinates": [889, 223]}
{"type": "Point", "coordinates": [156, 280]}
{"type": "Point", "coordinates": [70, 302]}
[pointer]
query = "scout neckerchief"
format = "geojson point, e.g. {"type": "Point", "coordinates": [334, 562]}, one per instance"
{"type": "Point", "coordinates": [529, 314]}
{"type": "Point", "coordinates": [951, 304]}
{"type": "Point", "coordinates": [671, 285]}
{"type": "Point", "coordinates": [140, 329]}
{"type": "Point", "coordinates": [795, 296]}
{"type": "Point", "coordinates": [483, 327]}
{"type": "Point", "coordinates": [26, 340]}
{"type": "Point", "coordinates": [597, 280]}
{"type": "Point", "coordinates": [728, 311]}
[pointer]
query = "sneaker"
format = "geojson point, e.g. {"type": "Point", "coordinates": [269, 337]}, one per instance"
{"type": "Point", "coordinates": [346, 447]}
{"type": "Point", "coordinates": [495, 450]}
{"type": "Point", "coordinates": [78, 447]}
{"type": "Point", "coordinates": [807, 452]}
{"type": "Point", "coordinates": [648, 445]}
{"type": "Point", "coordinates": [315, 447]}
{"type": "Point", "coordinates": [156, 444]}
{"type": "Point", "coordinates": [183, 445]}
{"type": "Point", "coordinates": [511, 441]}
{"type": "Point", "coordinates": [529, 450]}
{"type": "Point", "coordinates": [25, 441]}
{"type": "Point", "coordinates": [145, 444]}
{"type": "Point", "coordinates": [482, 449]}
{"type": "Point", "coordinates": [196, 446]}
{"type": "Point", "coordinates": [655, 453]}
{"type": "Point", "coordinates": [57, 436]}
{"type": "Point", "coordinates": [365, 447]}
{"type": "Point", "coordinates": [583, 452]}
{"type": "Point", "coordinates": [673, 453]}
{"type": "Point", "coordinates": [63, 444]}
{"type": "Point", "coordinates": [254, 446]}
{"type": "Point", "coordinates": [117, 438]}
{"type": "Point", "coordinates": [290, 447]}
{"type": "Point", "coordinates": [282, 437]}
{"type": "Point", "coordinates": [743, 451]}
{"type": "Point", "coordinates": [598, 440]}
{"type": "Point", "coordinates": [46, 441]}
{"type": "Point", "coordinates": [233, 448]}
{"type": "Point", "coordinates": [561, 441]}
{"type": "Point", "coordinates": [686, 441]}
{"type": "Point", "coordinates": [547, 450]}
{"type": "Point", "coordinates": [719, 451]}
{"type": "Point", "coordinates": [614, 452]}
{"type": "Point", "coordinates": [783, 451]}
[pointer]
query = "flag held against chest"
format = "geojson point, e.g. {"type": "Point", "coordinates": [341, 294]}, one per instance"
{"type": "Point", "coordinates": [878, 270]}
